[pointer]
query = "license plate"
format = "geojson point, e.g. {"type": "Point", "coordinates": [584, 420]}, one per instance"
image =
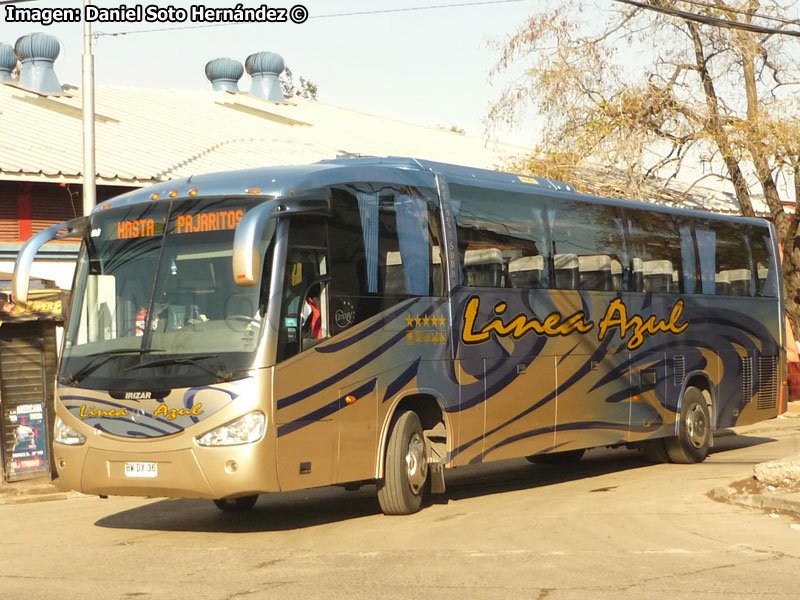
{"type": "Point", "coordinates": [141, 469]}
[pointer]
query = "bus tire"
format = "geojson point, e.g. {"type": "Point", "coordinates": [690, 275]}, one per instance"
{"type": "Point", "coordinates": [567, 457]}
{"type": "Point", "coordinates": [406, 469]}
{"type": "Point", "coordinates": [694, 430]}
{"type": "Point", "coordinates": [242, 504]}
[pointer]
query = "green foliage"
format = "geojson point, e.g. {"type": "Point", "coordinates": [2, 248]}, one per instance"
{"type": "Point", "coordinates": [304, 89]}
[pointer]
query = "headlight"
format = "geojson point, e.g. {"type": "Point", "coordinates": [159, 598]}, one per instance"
{"type": "Point", "coordinates": [244, 430]}
{"type": "Point", "coordinates": [64, 434]}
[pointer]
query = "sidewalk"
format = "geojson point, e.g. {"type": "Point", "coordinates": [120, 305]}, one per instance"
{"type": "Point", "coordinates": [774, 485]}
{"type": "Point", "coordinates": [33, 490]}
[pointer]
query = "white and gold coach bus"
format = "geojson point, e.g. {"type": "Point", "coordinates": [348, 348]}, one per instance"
{"type": "Point", "coordinates": [382, 320]}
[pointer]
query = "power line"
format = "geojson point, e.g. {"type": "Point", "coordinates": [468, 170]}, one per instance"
{"type": "Point", "coordinates": [740, 12]}
{"type": "Point", "coordinates": [413, 8]}
{"type": "Point", "coordinates": [327, 16]}
{"type": "Point", "coordinates": [707, 20]}
{"type": "Point", "coordinates": [14, 1]}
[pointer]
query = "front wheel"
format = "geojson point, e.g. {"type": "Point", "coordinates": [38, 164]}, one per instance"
{"type": "Point", "coordinates": [406, 469]}
{"type": "Point", "coordinates": [694, 431]}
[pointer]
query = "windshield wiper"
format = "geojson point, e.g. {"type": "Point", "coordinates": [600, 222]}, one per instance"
{"type": "Point", "coordinates": [185, 360]}
{"type": "Point", "coordinates": [103, 357]}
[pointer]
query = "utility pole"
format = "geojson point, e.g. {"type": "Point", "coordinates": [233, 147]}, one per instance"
{"type": "Point", "coordinates": [87, 94]}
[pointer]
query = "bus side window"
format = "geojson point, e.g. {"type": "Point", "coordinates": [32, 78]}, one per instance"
{"type": "Point", "coordinates": [733, 275]}
{"type": "Point", "coordinates": [384, 246]}
{"type": "Point", "coordinates": [587, 241]}
{"type": "Point", "coordinates": [658, 253]}
{"type": "Point", "coordinates": [501, 237]}
{"type": "Point", "coordinates": [763, 266]}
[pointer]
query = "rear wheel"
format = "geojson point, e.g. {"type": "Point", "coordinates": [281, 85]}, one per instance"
{"type": "Point", "coordinates": [406, 469]}
{"type": "Point", "coordinates": [242, 504]}
{"type": "Point", "coordinates": [694, 431]}
{"type": "Point", "coordinates": [567, 457]}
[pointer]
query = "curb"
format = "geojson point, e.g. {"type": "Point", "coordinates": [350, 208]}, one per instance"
{"type": "Point", "coordinates": [774, 501]}
{"type": "Point", "coordinates": [28, 492]}
{"type": "Point", "coordinates": [32, 498]}
{"type": "Point", "coordinates": [781, 422]}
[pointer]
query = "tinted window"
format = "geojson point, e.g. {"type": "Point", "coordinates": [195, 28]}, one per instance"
{"type": "Point", "coordinates": [656, 252]}
{"type": "Point", "coordinates": [733, 275]}
{"type": "Point", "coordinates": [384, 247]}
{"type": "Point", "coordinates": [766, 277]}
{"type": "Point", "coordinates": [508, 239]}
{"type": "Point", "coordinates": [588, 244]}
{"type": "Point", "coordinates": [735, 260]}
{"type": "Point", "coordinates": [501, 237]}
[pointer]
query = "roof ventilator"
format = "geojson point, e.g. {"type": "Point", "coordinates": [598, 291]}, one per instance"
{"type": "Point", "coordinates": [264, 68]}
{"type": "Point", "coordinates": [7, 62]}
{"type": "Point", "coordinates": [224, 74]}
{"type": "Point", "coordinates": [37, 52]}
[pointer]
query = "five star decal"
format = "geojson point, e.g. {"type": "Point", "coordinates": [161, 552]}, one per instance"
{"type": "Point", "coordinates": [426, 329]}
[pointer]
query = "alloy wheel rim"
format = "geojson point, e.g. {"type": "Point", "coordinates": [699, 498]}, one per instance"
{"type": "Point", "coordinates": [416, 463]}
{"type": "Point", "coordinates": [696, 426]}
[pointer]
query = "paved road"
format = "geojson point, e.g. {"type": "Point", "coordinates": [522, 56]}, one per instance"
{"type": "Point", "coordinates": [611, 527]}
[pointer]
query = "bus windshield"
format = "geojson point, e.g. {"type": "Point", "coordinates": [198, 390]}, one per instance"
{"type": "Point", "coordinates": [155, 305]}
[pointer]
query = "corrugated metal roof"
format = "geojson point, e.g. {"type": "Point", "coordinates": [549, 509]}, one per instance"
{"type": "Point", "coordinates": [147, 135]}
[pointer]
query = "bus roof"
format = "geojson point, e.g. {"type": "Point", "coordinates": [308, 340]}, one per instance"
{"type": "Point", "coordinates": [283, 181]}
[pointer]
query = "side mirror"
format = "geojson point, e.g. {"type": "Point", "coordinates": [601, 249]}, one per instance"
{"type": "Point", "coordinates": [22, 266]}
{"type": "Point", "coordinates": [256, 224]}
{"type": "Point", "coordinates": [259, 224]}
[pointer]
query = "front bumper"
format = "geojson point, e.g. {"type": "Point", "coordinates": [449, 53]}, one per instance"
{"type": "Point", "coordinates": [183, 473]}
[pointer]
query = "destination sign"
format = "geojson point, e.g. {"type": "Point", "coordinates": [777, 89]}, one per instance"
{"type": "Point", "coordinates": [203, 222]}
{"type": "Point", "coordinates": [138, 228]}
{"type": "Point", "coordinates": [208, 221]}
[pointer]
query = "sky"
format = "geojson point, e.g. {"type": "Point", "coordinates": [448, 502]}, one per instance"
{"type": "Point", "coordinates": [429, 67]}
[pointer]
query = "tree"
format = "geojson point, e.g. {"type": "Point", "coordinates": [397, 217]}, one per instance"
{"type": "Point", "coordinates": [305, 89]}
{"type": "Point", "coordinates": [647, 92]}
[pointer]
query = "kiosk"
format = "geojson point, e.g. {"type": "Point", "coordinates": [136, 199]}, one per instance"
{"type": "Point", "coordinates": [28, 363]}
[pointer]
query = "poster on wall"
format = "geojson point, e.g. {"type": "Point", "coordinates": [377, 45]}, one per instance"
{"type": "Point", "coordinates": [29, 454]}
{"type": "Point", "coordinates": [42, 304]}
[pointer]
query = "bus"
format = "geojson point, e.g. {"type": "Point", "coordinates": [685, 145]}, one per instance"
{"type": "Point", "coordinates": [382, 320]}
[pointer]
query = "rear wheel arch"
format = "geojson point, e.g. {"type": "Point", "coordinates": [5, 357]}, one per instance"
{"type": "Point", "coordinates": [668, 449]}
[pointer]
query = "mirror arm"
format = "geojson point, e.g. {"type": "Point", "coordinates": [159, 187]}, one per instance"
{"type": "Point", "coordinates": [22, 267]}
